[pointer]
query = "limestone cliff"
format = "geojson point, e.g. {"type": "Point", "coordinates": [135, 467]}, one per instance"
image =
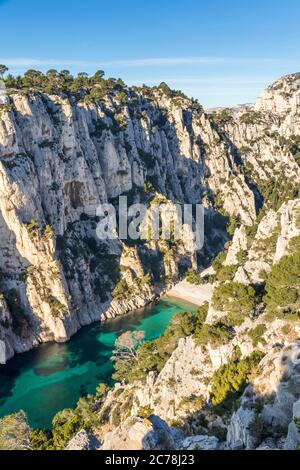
{"type": "Point", "coordinates": [61, 156]}
{"type": "Point", "coordinates": [266, 416]}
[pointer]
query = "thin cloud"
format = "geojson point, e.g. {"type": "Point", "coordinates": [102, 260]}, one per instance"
{"type": "Point", "coordinates": [150, 62]}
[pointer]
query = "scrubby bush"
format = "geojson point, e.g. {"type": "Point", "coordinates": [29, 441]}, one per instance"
{"type": "Point", "coordinates": [41, 439]}
{"type": "Point", "coordinates": [216, 334]}
{"type": "Point", "coordinates": [65, 425]}
{"type": "Point", "coordinates": [193, 277]}
{"type": "Point", "coordinates": [226, 273]}
{"type": "Point", "coordinates": [218, 261]}
{"type": "Point", "coordinates": [294, 244]}
{"type": "Point", "coordinates": [251, 117]}
{"type": "Point", "coordinates": [236, 299]}
{"type": "Point", "coordinates": [230, 380]}
{"type": "Point", "coordinates": [283, 285]}
{"type": "Point", "coordinates": [222, 117]}
{"type": "Point", "coordinates": [233, 224]}
{"type": "Point", "coordinates": [101, 391]}
{"type": "Point", "coordinates": [256, 334]}
{"type": "Point", "coordinates": [259, 428]}
{"type": "Point", "coordinates": [144, 412]}
{"type": "Point", "coordinates": [201, 315]}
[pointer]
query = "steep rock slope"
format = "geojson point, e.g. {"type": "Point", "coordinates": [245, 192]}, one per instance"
{"type": "Point", "coordinates": [59, 159]}
{"type": "Point", "coordinates": [203, 391]}
{"type": "Point", "coordinates": [61, 156]}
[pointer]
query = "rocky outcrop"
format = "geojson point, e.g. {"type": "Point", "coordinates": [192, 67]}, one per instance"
{"type": "Point", "coordinates": [14, 432]}
{"type": "Point", "coordinates": [154, 434]}
{"type": "Point", "coordinates": [238, 436]}
{"type": "Point", "coordinates": [282, 97]}
{"type": "Point", "coordinates": [83, 441]}
{"type": "Point", "coordinates": [137, 433]}
{"type": "Point", "coordinates": [269, 408]}
{"type": "Point", "coordinates": [293, 437]}
{"type": "Point", "coordinates": [200, 443]}
{"type": "Point", "coordinates": [254, 255]}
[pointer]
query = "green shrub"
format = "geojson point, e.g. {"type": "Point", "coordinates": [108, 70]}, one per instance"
{"type": "Point", "coordinates": [201, 315]}
{"type": "Point", "coordinates": [283, 285]}
{"type": "Point", "coordinates": [259, 429]}
{"type": "Point", "coordinates": [230, 380]}
{"type": "Point", "coordinates": [256, 334]}
{"type": "Point", "coordinates": [237, 299]}
{"type": "Point", "coordinates": [222, 117]}
{"type": "Point", "coordinates": [65, 425]}
{"type": "Point", "coordinates": [41, 439]}
{"type": "Point", "coordinates": [121, 290]}
{"type": "Point", "coordinates": [233, 224]}
{"type": "Point", "coordinates": [33, 226]}
{"type": "Point", "coordinates": [193, 277]}
{"type": "Point", "coordinates": [286, 329]}
{"type": "Point", "coordinates": [242, 256]}
{"type": "Point", "coordinates": [101, 391]}
{"type": "Point", "coordinates": [216, 334]}
{"type": "Point", "coordinates": [226, 273]}
{"type": "Point", "coordinates": [275, 192]}
{"type": "Point", "coordinates": [218, 261]}
{"type": "Point", "coordinates": [144, 412]}
{"type": "Point", "coordinates": [251, 117]}
{"type": "Point", "coordinates": [115, 416]}
{"type": "Point", "coordinates": [57, 308]}
{"type": "Point", "coordinates": [294, 244]}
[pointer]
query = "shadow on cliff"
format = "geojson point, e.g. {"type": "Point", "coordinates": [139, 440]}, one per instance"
{"type": "Point", "coordinates": [235, 152]}
{"type": "Point", "coordinates": [270, 413]}
{"type": "Point", "coordinates": [171, 173]}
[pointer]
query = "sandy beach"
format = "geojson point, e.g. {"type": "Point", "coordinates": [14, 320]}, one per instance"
{"type": "Point", "coordinates": [191, 293]}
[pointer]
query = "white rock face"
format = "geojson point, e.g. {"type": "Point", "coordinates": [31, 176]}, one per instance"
{"type": "Point", "coordinates": [239, 243]}
{"type": "Point", "coordinates": [60, 159]}
{"type": "Point", "coordinates": [238, 436]}
{"type": "Point", "coordinates": [137, 434]}
{"type": "Point", "coordinates": [200, 443]}
{"type": "Point", "coordinates": [282, 97]}
{"type": "Point", "coordinates": [271, 242]}
{"type": "Point", "coordinates": [293, 437]}
{"type": "Point", "coordinates": [83, 441]}
{"type": "Point", "coordinates": [290, 227]}
{"type": "Point", "coordinates": [277, 387]}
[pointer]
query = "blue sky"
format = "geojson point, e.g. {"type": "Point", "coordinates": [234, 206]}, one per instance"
{"type": "Point", "coordinates": [222, 52]}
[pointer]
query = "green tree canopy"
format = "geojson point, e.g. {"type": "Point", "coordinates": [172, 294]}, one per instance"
{"type": "Point", "coordinates": [237, 299]}
{"type": "Point", "coordinates": [3, 70]}
{"type": "Point", "coordinates": [283, 284]}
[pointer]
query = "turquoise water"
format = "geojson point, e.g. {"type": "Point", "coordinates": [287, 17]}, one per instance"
{"type": "Point", "coordinates": [54, 376]}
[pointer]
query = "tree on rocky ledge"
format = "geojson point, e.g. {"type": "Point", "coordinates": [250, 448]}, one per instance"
{"type": "Point", "coordinates": [3, 70]}
{"type": "Point", "coordinates": [126, 346]}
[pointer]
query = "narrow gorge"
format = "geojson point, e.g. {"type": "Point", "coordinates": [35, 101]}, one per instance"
{"type": "Point", "coordinates": [226, 377]}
